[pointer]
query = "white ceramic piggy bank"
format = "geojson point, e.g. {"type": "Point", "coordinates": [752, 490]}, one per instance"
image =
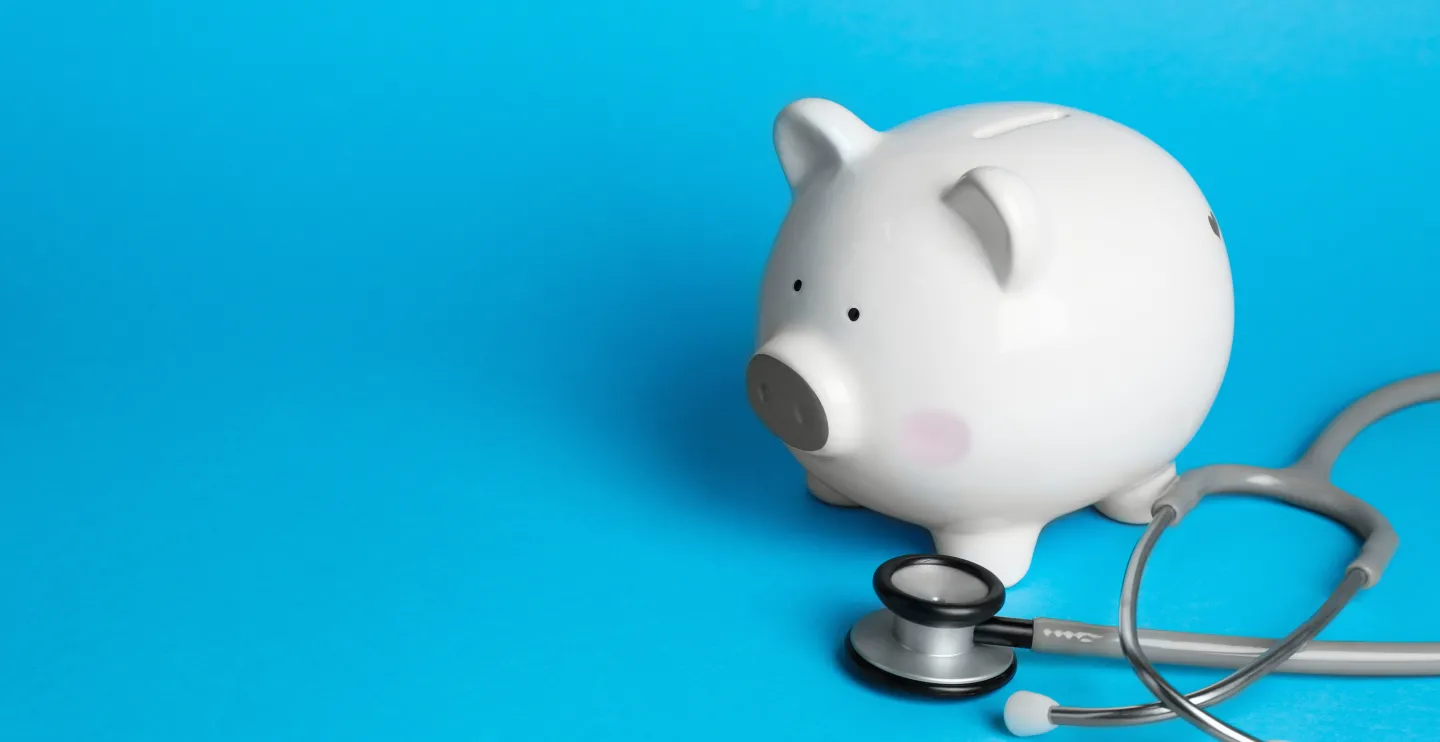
{"type": "Point", "coordinates": [987, 318]}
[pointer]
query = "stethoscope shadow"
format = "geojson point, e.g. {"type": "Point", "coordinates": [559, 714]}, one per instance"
{"type": "Point", "coordinates": [1072, 670]}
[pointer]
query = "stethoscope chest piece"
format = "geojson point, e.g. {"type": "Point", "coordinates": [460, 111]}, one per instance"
{"type": "Point", "coordinates": [923, 641]}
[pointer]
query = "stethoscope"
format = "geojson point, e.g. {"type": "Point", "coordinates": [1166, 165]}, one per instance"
{"type": "Point", "coordinates": [939, 634]}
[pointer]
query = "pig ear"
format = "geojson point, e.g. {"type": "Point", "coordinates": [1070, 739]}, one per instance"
{"type": "Point", "coordinates": [813, 135]}
{"type": "Point", "coordinates": [1001, 210]}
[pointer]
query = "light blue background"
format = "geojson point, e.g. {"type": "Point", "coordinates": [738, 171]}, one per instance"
{"type": "Point", "coordinates": [372, 370]}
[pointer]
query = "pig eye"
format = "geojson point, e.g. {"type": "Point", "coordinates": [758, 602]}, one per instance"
{"type": "Point", "coordinates": [797, 284]}
{"type": "Point", "coordinates": [854, 314]}
{"type": "Point", "coordinates": [1214, 225]}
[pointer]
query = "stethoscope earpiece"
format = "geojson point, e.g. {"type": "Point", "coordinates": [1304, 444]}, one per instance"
{"type": "Point", "coordinates": [923, 641]}
{"type": "Point", "coordinates": [1028, 714]}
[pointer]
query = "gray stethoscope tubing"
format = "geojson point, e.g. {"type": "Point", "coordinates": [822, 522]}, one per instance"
{"type": "Point", "coordinates": [1218, 651]}
{"type": "Point", "coordinates": [1305, 484]}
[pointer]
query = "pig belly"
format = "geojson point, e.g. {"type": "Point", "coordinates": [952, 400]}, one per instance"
{"type": "Point", "coordinates": [1003, 543]}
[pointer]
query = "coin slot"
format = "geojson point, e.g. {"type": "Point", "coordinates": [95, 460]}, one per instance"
{"type": "Point", "coordinates": [1013, 123]}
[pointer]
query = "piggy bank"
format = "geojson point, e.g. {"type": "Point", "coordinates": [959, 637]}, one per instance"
{"type": "Point", "coordinates": [988, 317]}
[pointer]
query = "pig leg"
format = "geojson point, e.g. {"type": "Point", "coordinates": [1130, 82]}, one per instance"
{"type": "Point", "coordinates": [1132, 504]}
{"type": "Point", "coordinates": [827, 494]}
{"type": "Point", "coordinates": [1005, 550]}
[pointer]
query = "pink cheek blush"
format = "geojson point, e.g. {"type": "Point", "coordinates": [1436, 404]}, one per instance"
{"type": "Point", "coordinates": [935, 438]}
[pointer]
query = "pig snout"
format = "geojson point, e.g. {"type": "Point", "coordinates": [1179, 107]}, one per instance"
{"type": "Point", "coordinates": [786, 404]}
{"type": "Point", "coordinates": [798, 391]}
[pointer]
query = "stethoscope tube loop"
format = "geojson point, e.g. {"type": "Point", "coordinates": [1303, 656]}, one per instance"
{"type": "Point", "coordinates": [1305, 485]}
{"type": "Point", "coordinates": [1172, 701]}
{"type": "Point", "coordinates": [1300, 485]}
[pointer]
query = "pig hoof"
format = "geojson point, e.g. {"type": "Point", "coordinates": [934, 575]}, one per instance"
{"type": "Point", "coordinates": [827, 494]}
{"type": "Point", "coordinates": [1005, 551]}
{"type": "Point", "coordinates": [1132, 505]}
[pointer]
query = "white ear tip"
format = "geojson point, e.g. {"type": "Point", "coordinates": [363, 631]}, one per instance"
{"type": "Point", "coordinates": [1028, 714]}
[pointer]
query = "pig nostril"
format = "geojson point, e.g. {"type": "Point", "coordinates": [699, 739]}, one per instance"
{"type": "Point", "coordinates": [799, 416]}
{"type": "Point", "coordinates": [764, 392]}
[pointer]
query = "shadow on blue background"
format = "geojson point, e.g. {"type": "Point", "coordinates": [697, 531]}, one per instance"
{"type": "Point", "coordinates": [372, 370]}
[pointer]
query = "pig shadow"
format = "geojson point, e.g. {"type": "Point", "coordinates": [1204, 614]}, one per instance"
{"type": "Point", "coordinates": [691, 418]}
{"type": "Point", "coordinates": [666, 341]}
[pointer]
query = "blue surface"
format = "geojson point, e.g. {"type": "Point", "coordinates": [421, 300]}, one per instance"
{"type": "Point", "coordinates": [371, 370]}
